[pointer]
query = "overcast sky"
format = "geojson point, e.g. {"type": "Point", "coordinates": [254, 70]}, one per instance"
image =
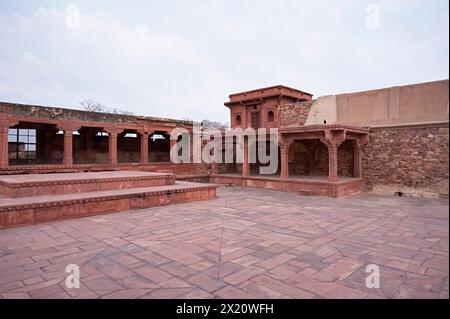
{"type": "Point", "coordinates": [182, 58]}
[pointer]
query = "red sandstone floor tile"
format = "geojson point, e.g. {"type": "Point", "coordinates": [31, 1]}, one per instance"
{"type": "Point", "coordinates": [247, 243]}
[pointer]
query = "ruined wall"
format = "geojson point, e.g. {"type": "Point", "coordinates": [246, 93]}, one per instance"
{"type": "Point", "coordinates": [294, 114]}
{"type": "Point", "coordinates": [412, 161]}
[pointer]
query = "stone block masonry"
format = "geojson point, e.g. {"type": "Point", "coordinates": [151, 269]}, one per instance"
{"type": "Point", "coordinates": [295, 114]}
{"type": "Point", "coordinates": [408, 160]}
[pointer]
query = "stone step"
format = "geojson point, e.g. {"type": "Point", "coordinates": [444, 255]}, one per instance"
{"type": "Point", "coordinates": [65, 183]}
{"type": "Point", "coordinates": [38, 209]}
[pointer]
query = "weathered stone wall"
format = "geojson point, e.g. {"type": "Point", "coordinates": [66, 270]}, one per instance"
{"type": "Point", "coordinates": [56, 113]}
{"type": "Point", "coordinates": [294, 114]}
{"type": "Point", "coordinates": [346, 159]}
{"type": "Point", "coordinates": [408, 160]}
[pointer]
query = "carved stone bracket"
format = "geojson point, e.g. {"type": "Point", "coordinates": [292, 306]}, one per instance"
{"type": "Point", "coordinates": [334, 138]}
{"type": "Point", "coordinates": [362, 140]}
{"type": "Point", "coordinates": [68, 127]}
{"type": "Point", "coordinates": [113, 130]}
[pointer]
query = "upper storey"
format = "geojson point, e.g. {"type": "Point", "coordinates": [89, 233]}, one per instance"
{"type": "Point", "coordinates": [261, 107]}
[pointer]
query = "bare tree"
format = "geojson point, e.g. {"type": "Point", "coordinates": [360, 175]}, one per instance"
{"type": "Point", "coordinates": [93, 106]}
{"type": "Point", "coordinates": [213, 124]}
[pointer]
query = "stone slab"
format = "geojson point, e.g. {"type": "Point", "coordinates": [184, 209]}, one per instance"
{"type": "Point", "coordinates": [27, 185]}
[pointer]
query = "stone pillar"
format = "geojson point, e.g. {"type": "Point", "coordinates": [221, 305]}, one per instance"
{"type": "Point", "coordinates": [357, 166]}
{"type": "Point", "coordinates": [4, 145]}
{"type": "Point", "coordinates": [112, 144]}
{"type": "Point", "coordinates": [144, 147]}
{"type": "Point", "coordinates": [112, 148]}
{"type": "Point", "coordinates": [4, 128]}
{"type": "Point", "coordinates": [245, 164]}
{"type": "Point", "coordinates": [332, 163]}
{"type": "Point", "coordinates": [68, 146]}
{"type": "Point", "coordinates": [284, 154]}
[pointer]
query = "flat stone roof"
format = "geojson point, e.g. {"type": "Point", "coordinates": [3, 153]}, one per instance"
{"type": "Point", "coordinates": [59, 113]}
{"type": "Point", "coordinates": [270, 91]}
{"type": "Point", "coordinates": [323, 127]}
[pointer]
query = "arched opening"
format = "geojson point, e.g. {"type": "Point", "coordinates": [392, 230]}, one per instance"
{"type": "Point", "coordinates": [90, 146]}
{"type": "Point", "coordinates": [34, 143]}
{"type": "Point", "coordinates": [308, 158]}
{"type": "Point", "coordinates": [238, 120]}
{"type": "Point", "coordinates": [159, 148]}
{"type": "Point", "coordinates": [270, 116]}
{"type": "Point", "coordinates": [129, 147]}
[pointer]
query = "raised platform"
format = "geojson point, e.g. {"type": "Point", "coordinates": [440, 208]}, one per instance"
{"type": "Point", "coordinates": [307, 185]}
{"type": "Point", "coordinates": [39, 209]}
{"type": "Point", "coordinates": [65, 183]}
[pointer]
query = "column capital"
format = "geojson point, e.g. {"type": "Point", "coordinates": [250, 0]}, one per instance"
{"type": "Point", "coordinates": [112, 130]}
{"type": "Point", "coordinates": [362, 140]}
{"type": "Point", "coordinates": [334, 138]}
{"type": "Point", "coordinates": [145, 131]}
{"type": "Point", "coordinates": [7, 123]}
{"type": "Point", "coordinates": [68, 127]}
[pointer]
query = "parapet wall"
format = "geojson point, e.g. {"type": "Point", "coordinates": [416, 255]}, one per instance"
{"type": "Point", "coordinates": [417, 103]}
{"type": "Point", "coordinates": [400, 105]}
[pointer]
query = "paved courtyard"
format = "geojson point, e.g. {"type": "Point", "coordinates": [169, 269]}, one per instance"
{"type": "Point", "coordinates": [247, 243]}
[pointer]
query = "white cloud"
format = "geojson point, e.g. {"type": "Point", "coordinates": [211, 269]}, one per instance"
{"type": "Point", "coordinates": [187, 56]}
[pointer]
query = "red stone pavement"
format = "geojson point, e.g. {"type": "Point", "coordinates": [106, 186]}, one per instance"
{"type": "Point", "coordinates": [247, 243]}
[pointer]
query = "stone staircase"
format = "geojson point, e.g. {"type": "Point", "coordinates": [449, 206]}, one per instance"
{"type": "Point", "coordinates": [37, 198]}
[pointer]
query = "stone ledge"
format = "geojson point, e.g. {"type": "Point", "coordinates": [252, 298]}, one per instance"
{"type": "Point", "coordinates": [31, 210]}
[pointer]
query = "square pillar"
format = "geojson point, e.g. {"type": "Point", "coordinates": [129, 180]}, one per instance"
{"type": "Point", "coordinates": [4, 128]}
{"type": "Point", "coordinates": [332, 163]}
{"type": "Point", "coordinates": [112, 148]}
{"type": "Point", "coordinates": [112, 144]}
{"type": "Point", "coordinates": [144, 147]}
{"type": "Point", "coordinates": [68, 143]}
{"type": "Point", "coordinates": [284, 154]}
{"type": "Point", "coordinates": [68, 130]}
{"type": "Point", "coordinates": [68, 147]}
{"type": "Point", "coordinates": [245, 164]}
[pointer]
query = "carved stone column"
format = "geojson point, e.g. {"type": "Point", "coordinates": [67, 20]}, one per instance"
{"type": "Point", "coordinates": [332, 163]}
{"type": "Point", "coordinates": [284, 154]}
{"type": "Point", "coordinates": [68, 130]}
{"type": "Point", "coordinates": [332, 140]}
{"type": "Point", "coordinates": [144, 146]}
{"type": "Point", "coordinates": [4, 145]}
{"type": "Point", "coordinates": [112, 144]}
{"type": "Point", "coordinates": [245, 164]}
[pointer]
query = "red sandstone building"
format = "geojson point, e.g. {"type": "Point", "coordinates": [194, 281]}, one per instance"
{"type": "Point", "coordinates": [392, 140]}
